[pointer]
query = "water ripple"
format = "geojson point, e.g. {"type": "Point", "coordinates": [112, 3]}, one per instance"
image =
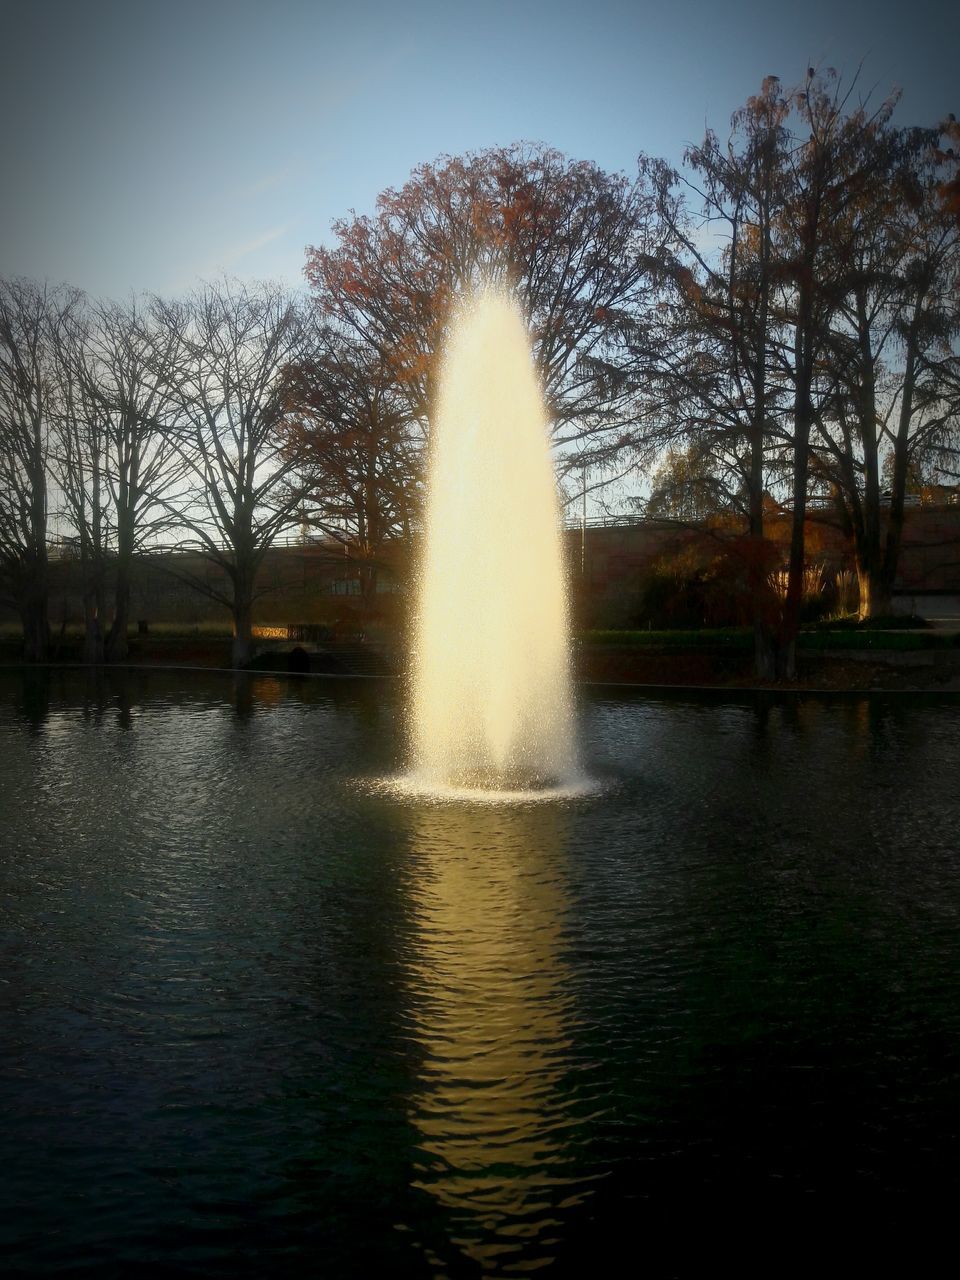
{"type": "Point", "coordinates": [262, 1005]}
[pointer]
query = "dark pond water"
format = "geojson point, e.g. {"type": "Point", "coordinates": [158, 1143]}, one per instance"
{"type": "Point", "coordinates": [260, 1018]}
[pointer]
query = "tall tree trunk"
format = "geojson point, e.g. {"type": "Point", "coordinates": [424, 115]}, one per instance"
{"type": "Point", "coordinates": [117, 646]}
{"type": "Point", "coordinates": [91, 578]}
{"type": "Point", "coordinates": [867, 545]}
{"type": "Point", "coordinates": [92, 630]}
{"type": "Point", "coordinates": [764, 639]}
{"type": "Point", "coordinates": [894, 540]}
{"type": "Point", "coordinates": [764, 648]}
{"type": "Point", "coordinates": [875, 588]}
{"type": "Point", "coordinates": [34, 614]}
{"type": "Point", "coordinates": [803, 420]}
{"type": "Point", "coordinates": [866, 550]}
{"type": "Point", "coordinates": [241, 653]}
{"type": "Point", "coordinates": [884, 569]}
{"type": "Point", "coordinates": [876, 597]}
{"type": "Point", "coordinates": [244, 578]}
{"type": "Point", "coordinates": [36, 588]}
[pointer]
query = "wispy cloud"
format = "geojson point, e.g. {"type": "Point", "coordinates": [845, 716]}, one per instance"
{"type": "Point", "coordinates": [251, 246]}
{"type": "Point", "coordinates": [266, 183]}
{"type": "Point", "coordinates": [224, 260]}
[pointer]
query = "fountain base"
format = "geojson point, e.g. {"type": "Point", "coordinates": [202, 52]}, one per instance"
{"type": "Point", "coordinates": [509, 780]}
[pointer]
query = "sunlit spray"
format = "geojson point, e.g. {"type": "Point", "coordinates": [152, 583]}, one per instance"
{"type": "Point", "coordinates": [491, 704]}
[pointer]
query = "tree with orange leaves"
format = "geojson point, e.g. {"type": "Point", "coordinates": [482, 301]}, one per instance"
{"type": "Point", "coordinates": [583, 249]}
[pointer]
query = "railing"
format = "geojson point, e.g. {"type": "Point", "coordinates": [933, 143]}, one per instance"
{"type": "Point", "coordinates": [605, 522]}
{"type": "Point", "coordinates": [68, 548]}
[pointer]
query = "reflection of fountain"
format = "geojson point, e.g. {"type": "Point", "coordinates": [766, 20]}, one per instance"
{"type": "Point", "coordinates": [491, 701]}
{"type": "Point", "coordinates": [492, 1015]}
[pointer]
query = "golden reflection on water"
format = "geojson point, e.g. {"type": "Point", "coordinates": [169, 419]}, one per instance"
{"type": "Point", "coordinates": [493, 1015]}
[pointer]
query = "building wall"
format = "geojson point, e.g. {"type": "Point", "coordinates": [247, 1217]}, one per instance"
{"type": "Point", "coordinates": [607, 568]}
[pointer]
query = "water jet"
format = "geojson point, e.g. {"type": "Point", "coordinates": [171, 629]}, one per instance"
{"type": "Point", "coordinates": [491, 705]}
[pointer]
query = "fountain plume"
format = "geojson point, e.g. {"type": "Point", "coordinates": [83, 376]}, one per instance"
{"type": "Point", "coordinates": [492, 704]}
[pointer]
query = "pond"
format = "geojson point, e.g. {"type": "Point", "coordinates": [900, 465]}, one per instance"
{"type": "Point", "coordinates": [263, 1015]}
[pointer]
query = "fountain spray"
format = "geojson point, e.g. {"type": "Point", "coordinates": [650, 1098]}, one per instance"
{"type": "Point", "coordinates": [492, 705]}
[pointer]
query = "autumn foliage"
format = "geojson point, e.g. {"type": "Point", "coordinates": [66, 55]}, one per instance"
{"type": "Point", "coordinates": [582, 248]}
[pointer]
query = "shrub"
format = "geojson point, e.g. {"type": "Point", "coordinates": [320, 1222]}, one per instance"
{"type": "Point", "coordinates": [693, 589]}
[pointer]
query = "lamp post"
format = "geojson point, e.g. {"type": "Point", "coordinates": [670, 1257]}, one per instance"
{"type": "Point", "coordinates": [583, 521]}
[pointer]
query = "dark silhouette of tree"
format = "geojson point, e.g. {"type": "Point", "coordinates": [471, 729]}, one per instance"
{"type": "Point", "coordinates": [30, 317]}
{"type": "Point", "coordinates": [358, 459]}
{"type": "Point", "coordinates": [78, 465]}
{"type": "Point", "coordinates": [233, 348]}
{"type": "Point", "coordinates": [892, 353]}
{"type": "Point", "coordinates": [719, 369]}
{"type": "Point", "coordinates": [129, 378]}
{"type": "Point", "coordinates": [831, 167]}
{"type": "Point", "coordinates": [810, 323]}
{"type": "Point", "coordinates": [686, 487]}
{"type": "Point", "coordinates": [117, 454]}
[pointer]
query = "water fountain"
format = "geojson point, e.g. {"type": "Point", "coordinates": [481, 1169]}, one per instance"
{"type": "Point", "coordinates": [491, 701]}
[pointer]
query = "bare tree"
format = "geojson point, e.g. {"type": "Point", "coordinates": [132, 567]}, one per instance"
{"type": "Point", "coordinates": [834, 166]}
{"type": "Point", "coordinates": [233, 350]}
{"type": "Point", "coordinates": [115, 455]}
{"type": "Point", "coordinates": [893, 350]}
{"type": "Point", "coordinates": [30, 318]}
{"type": "Point", "coordinates": [811, 323]}
{"type": "Point", "coordinates": [78, 465]}
{"type": "Point", "coordinates": [129, 382]}
{"type": "Point", "coordinates": [718, 366]}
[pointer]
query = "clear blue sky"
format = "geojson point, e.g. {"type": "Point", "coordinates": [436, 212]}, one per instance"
{"type": "Point", "coordinates": [146, 144]}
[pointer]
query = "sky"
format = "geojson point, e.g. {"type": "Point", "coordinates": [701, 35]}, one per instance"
{"type": "Point", "coordinates": [149, 145]}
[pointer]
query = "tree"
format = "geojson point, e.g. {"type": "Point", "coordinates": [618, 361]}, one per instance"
{"type": "Point", "coordinates": [116, 455]}
{"type": "Point", "coordinates": [233, 349]}
{"type": "Point", "coordinates": [357, 457]}
{"type": "Point", "coordinates": [128, 380]}
{"type": "Point", "coordinates": [78, 465]}
{"type": "Point", "coordinates": [771, 357]}
{"type": "Point", "coordinates": [583, 249]}
{"type": "Point", "coordinates": [831, 167]}
{"type": "Point", "coordinates": [719, 370]}
{"type": "Point", "coordinates": [30, 318]}
{"type": "Point", "coordinates": [687, 487]}
{"type": "Point", "coordinates": [893, 352]}
{"type": "Point", "coordinates": [948, 188]}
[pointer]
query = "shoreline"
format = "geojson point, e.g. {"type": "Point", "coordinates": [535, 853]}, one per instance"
{"type": "Point", "coordinates": [922, 671]}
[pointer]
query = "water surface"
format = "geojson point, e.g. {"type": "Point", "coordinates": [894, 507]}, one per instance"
{"type": "Point", "coordinates": [261, 1016]}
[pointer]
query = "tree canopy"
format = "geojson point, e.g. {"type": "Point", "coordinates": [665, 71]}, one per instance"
{"type": "Point", "coordinates": [583, 249]}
